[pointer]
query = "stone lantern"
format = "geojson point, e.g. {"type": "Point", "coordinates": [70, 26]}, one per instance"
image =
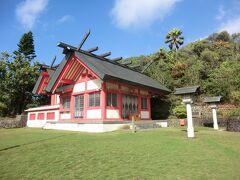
{"type": "Point", "coordinates": [213, 101]}
{"type": "Point", "coordinates": [187, 94]}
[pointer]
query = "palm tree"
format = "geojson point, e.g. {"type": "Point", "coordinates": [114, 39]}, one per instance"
{"type": "Point", "coordinates": [174, 38]}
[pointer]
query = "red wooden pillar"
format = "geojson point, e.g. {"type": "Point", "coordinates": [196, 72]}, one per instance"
{"type": "Point", "coordinates": [120, 105]}
{"type": "Point", "coordinates": [72, 106]}
{"type": "Point", "coordinates": [139, 103]}
{"type": "Point", "coordinates": [85, 97]}
{"type": "Point", "coordinates": [52, 99]}
{"type": "Point", "coordinates": [103, 100]}
{"type": "Point", "coordinates": [149, 107]}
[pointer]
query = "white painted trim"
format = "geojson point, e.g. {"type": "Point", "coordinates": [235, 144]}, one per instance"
{"type": "Point", "coordinates": [36, 123]}
{"type": "Point", "coordinates": [79, 87]}
{"type": "Point", "coordinates": [41, 108]}
{"type": "Point", "coordinates": [94, 114]}
{"type": "Point", "coordinates": [41, 123]}
{"type": "Point", "coordinates": [65, 115]}
{"type": "Point", "coordinates": [112, 113]}
{"type": "Point", "coordinates": [94, 84]}
{"type": "Point", "coordinates": [93, 128]}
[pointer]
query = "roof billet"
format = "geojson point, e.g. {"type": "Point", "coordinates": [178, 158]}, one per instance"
{"type": "Point", "coordinates": [105, 54]}
{"type": "Point", "coordinates": [72, 49]}
{"type": "Point", "coordinates": [92, 49]}
{"type": "Point", "coordinates": [116, 59]}
{"type": "Point", "coordinates": [105, 68]}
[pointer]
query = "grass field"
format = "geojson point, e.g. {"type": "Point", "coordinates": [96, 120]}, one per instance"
{"type": "Point", "coordinates": [152, 154]}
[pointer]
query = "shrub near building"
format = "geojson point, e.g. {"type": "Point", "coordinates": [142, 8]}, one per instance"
{"type": "Point", "coordinates": [233, 122]}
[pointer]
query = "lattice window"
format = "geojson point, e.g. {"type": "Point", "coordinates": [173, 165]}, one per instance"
{"type": "Point", "coordinates": [94, 99]}
{"type": "Point", "coordinates": [144, 103]}
{"type": "Point", "coordinates": [129, 105]}
{"type": "Point", "coordinates": [66, 102]}
{"type": "Point", "coordinates": [112, 99]}
{"type": "Point", "coordinates": [79, 106]}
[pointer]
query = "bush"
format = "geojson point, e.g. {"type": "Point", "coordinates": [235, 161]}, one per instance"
{"type": "Point", "coordinates": [233, 124]}
{"type": "Point", "coordinates": [233, 113]}
{"type": "Point", "coordinates": [235, 97]}
{"type": "Point", "coordinates": [180, 111]}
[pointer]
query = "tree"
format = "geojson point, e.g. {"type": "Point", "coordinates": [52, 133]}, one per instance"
{"type": "Point", "coordinates": [26, 46]}
{"type": "Point", "coordinates": [174, 38]}
{"type": "Point", "coordinates": [212, 37]}
{"type": "Point", "coordinates": [236, 37]}
{"type": "Point", "coordinates": [23, 77]}
{"type": "Point", "coordinates": [223, 36]}
{"type": "Point", "coordinates": [213, 63]}
{"type": "Point", "coordinates": [4, 92]}
{"type": "Point", "coordinates": [18, 74]}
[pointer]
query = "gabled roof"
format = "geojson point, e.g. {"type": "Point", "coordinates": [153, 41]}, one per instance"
{"type": "Point", "coordinates": [186, 90]}
{"type": "Point", "coordinates": [57, 72]}
{"type": "Point", "coordinates": [46, 73]}
{"type": "Point", "coordinates": [34, 91]}
{"type": "Point", "coordinates": [108, 70]}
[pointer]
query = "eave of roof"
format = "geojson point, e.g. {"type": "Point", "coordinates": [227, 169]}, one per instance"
{"type": "Point", "coordinates": [212, 99]}
{"type": "Point", "coordinates": [106, 69]}
{"type": "Point", "coordinates": [186, 90]}
{"type": "Point", "coordinates": [34, 91]}
{"type": "Point", "coordinates": [110, 70]}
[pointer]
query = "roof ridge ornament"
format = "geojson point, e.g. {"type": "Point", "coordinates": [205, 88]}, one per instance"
{"type": "Point", "coordinates": [66, 48]}
{"type": "Point", "coordinates": [53, 61]}
{"type": "Point", "coordinates": [84, 39]}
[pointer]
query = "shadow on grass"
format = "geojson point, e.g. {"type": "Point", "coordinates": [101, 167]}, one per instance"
{"type": "Point", "coordinates": [185, 130]}
{"type": "Point", "coordinates": [19, 145]}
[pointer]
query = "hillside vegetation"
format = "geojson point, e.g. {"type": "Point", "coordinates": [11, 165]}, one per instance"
{"type": "Point", "coordinates": [213, 63]}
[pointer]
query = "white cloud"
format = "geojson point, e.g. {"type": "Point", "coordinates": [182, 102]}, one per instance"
{"type": "Point", "coordinates": [221, 13]}
{"type": "Point", "coordinates": [232, 25]}
{"type": "Point", "coordinates": [140, 13]}
{"type": "Point", "coordinates": [28, 11]}
{"type": "Point", "coordinates": [65, 18]}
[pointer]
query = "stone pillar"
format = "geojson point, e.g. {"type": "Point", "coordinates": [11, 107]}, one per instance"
{"type": "Point", "coordinates": [190, 129]}
{"type": "Point", "coordinates": [215, 123]}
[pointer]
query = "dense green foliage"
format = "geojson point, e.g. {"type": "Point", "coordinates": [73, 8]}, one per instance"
{"type": "Point", "coordinates": [26, 46]}
{"type": "Point", "coordinates": [234, 112]}
{"type": "Point", "coordinates": [180, 111]}
{"type": "Point", "coordinates": [213, 63]}
{"type": "Point", "coordinates": [18, 74]}
{"type": "Point", "coordinates": [156, 154]}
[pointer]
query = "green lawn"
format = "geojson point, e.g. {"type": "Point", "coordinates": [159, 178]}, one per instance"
{"type": "Point", "coordinates": [152, 154]}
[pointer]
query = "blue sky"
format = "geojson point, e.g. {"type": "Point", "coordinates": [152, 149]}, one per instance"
{"type": "Point", "coordinates": [124, 27]}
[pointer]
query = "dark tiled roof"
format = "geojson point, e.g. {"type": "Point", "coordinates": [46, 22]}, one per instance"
{"type": "Point", "coordinates": [109, 70]}
{"type": "Point", "coordinates": [186, 90]}
{"type": "Point", "coordinates": [212, 99]}
{"type": "Point", "coordinates": [106, 70]}
{"type": "Point", "coordinates": [34, 91]}
{"type": "Point", "coordinates": [49, 70]}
